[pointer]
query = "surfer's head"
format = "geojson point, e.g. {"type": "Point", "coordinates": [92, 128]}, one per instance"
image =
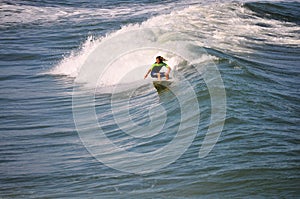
{"type": "Point", "coordinates": [160, 59]}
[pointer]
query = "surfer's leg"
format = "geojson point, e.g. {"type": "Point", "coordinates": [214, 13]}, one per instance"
{"type": "Point", "coordinates": [162, 74]}
{"type": "Point", "coordinates": [158, 76]}
{"type": "Point", "coordinates": [167, 76]}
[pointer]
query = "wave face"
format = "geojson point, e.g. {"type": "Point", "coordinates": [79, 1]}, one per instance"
{"type": "Point", "coordinates": [78, 118]}
{"type": "Point", "coordinates": [228, 27]}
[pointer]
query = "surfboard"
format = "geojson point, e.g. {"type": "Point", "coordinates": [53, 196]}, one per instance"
{"type": "Point", "coordinates": [162, 85]}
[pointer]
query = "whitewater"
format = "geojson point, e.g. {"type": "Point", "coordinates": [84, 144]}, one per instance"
{"type": "Point", "coordinates": [78, 119]}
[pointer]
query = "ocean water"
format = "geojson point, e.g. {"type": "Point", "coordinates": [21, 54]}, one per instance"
{"type": "Point", "coordinates": [78, 120]}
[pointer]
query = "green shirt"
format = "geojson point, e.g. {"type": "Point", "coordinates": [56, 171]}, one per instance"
{"type": "Point", "coordinates": [156, 67]}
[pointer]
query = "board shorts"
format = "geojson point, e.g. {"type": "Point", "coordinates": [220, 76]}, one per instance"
{"type": "Point", "coordinates": [154, 75]}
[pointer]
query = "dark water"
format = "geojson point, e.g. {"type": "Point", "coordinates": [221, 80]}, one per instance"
{"type": "Point", "coordinates": [51, 144]}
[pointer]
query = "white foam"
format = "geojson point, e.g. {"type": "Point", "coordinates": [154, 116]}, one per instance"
{"type": "Point", "coordinates": [44, 15]}
{"type": "Point", "coordinates": [28, 14]}
{"type": "Point", "coordinates": [71, 65]}
{"type": "Point", "coordinates": [227, 26]}
{"type": "Point", "coordinates": [223, 26]}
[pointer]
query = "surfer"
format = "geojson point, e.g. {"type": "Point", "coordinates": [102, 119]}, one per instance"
{"type": "Point", "coordinates": [156, 67]}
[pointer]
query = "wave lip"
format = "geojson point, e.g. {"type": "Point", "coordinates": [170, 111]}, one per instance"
{"type": "Point", "coordinates": [227, 27]}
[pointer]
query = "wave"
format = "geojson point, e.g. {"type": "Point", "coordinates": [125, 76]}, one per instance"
{"type": "Point", "coordinates": [25, 14]}
{"type": "Point", "coordinates": [47, 14]}
{"type": "Point", "coordinates": [231, 28]}
{"type": "Point", "coordinates": [282, 11]}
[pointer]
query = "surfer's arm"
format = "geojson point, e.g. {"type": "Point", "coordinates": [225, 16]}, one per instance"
{"type": "Point", "coordinates": [147, 74]}
{"type": "Point", "coordinates": [169, 69]}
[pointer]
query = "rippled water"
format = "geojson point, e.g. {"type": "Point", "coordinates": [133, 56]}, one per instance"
{"type": "Point", "coordinates": [53, 121]}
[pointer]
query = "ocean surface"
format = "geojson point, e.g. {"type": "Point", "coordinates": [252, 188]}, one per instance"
{"type": "Point", "coordinates": [78, 119]}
